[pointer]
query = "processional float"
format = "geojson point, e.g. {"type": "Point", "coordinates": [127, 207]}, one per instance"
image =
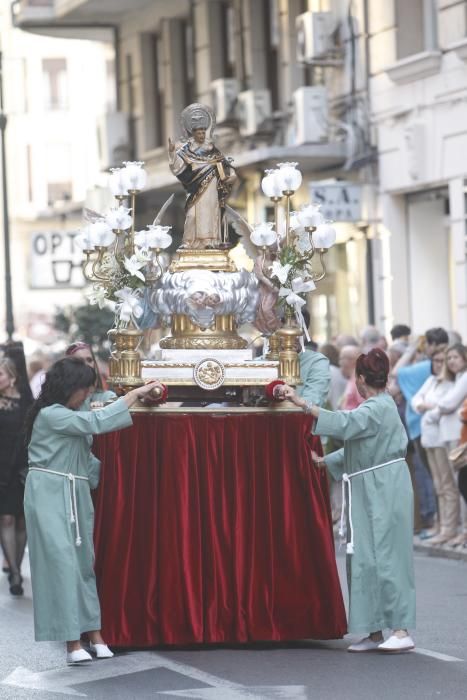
{"type": "Point", "coordinates": [208, 290]}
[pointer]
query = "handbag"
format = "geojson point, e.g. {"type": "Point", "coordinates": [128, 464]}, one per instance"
{"type": "Point", "coordinates": [458, 456]}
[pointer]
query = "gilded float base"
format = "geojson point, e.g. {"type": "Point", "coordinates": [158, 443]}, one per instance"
{"type": "Point", "coordinates": [191, 259]}
{"type": "Point", "coordinates": [125, 360]}
{"type": "Point", "coordinates": [187, 335]}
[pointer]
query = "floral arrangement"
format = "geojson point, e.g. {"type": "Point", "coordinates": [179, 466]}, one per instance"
{"type": "Point", "coordinates": [292, 247]}
{"type": "Point", "coordinates": [119, 261]}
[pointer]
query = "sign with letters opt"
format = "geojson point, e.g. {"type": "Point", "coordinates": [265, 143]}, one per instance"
{"type": "Point", "coordinates": [55, 260]}
{"type": "Point", "coordinates": [340, 201]}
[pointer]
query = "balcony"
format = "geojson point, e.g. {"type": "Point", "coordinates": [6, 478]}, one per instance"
{"type": "Point", "coordinates": [32, 11]}
{"type": "Point", "coordinates": [87, 19]}
{"type": "Point", "coordinates": [97, 10]}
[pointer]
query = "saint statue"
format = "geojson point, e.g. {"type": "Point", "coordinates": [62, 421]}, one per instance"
{"type": "Point", "coordinates": [207, 176]}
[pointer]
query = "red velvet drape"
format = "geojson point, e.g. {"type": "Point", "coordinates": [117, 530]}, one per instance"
{"type": "Point", "coordinates": [214, 529]}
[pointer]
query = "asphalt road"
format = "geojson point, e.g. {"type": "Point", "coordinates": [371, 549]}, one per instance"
{"type": "Point", "coordinates": [302, 671]}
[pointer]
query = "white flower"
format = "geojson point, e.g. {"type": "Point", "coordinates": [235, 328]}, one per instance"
{"type": "Point", "coordinates": [129, 303]}
{"type": "Point", "coordinates": [119, 218]}
{"type": "Point", "coordinates": [133, 265]}
{"type": "Point", "coordinates": [280, 271]}
{"type": "Point", "coordinates": [155, 237]}
{"type": "Point", "coordinates": [263, 234]}
{"type": "Point", "coordinates": [97, 295]}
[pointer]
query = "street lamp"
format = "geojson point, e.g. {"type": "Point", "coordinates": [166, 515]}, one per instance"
{"type": "Point", "coordinates": [10, 324]}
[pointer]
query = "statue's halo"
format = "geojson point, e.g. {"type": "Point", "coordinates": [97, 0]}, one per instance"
{"type": "Point", "coordinates": [198, 115]}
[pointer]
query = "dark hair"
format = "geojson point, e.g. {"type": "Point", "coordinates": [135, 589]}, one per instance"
{"type": "Point", "coordinates": [81, 345]}
{"type": "Point", "coordinates": [436, 336]}
{"type": "Point", "coordinates": [374, 367]}
{"type": "Point", "coordinates": [400, 331]}
{"type": "Point", "coordinates": [61, 381]}
{"type": "Point", "coordinates": [331, 352]}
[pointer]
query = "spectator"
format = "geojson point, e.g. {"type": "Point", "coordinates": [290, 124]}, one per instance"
{"type": "Point", "coordinates": [15, 399]}
{"type": "Point", "coordinates": [433, 390]}
{"type": "Point", "coordinates": [371, 338]}
{"type": "Point", "coordinates": [343, 339]}
{"type": "Point", "coordinates": [400, 332]}
{"type": "Point", "coordinates": [411, 372]}
{"type": "Point", "coordinates": [99, 395]}
{"type": "Point", "coordinates": [338, 381]}
{"type": "Point", "coordinates": [446, 413]}
{"type": "Point", "coordinates": [347, 361]}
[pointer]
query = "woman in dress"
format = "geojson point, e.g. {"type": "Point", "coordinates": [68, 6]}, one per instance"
{"type": "Point", "coordinates": [13, 466]}
{"type": "Point", "coordinates": [446, 414]}
{"type": "Point", "coordinates": [380, 506]}
{"type": "Point", "coordinates": [433, 390]}
{"type": "Point", "coordinates": [100, 394]}
{"type": "Point", "coordinates": [58, 506]}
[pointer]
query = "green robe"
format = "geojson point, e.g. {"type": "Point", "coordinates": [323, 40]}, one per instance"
{"type": "Point", "coordinates": [316, 377]}
{"type": "Point", "coordinates": [62, 573]}
{"type": "Point", "coordinates": [380, 572]}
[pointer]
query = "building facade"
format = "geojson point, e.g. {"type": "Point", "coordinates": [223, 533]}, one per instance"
{"type": "Point", "coordinates": [368, 97]}
{"type": "Point", "coordinates": [56, 90]}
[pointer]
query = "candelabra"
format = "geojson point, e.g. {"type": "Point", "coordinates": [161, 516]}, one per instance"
{"type": "Point", "coordinates": [120, 263]}
{"type": "Point", "coordinates": [287, 253]}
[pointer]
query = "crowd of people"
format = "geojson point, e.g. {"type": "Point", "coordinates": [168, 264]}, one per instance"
{"type": "Point", "coordinates": [428, 382]}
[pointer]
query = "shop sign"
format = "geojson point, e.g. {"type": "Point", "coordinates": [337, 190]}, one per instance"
{"type": "Point", "coordinates": [55, 260]}
{"type": "Point", "coordinates": [340, 201]}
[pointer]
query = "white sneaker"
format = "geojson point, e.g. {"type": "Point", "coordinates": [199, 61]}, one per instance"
{"type": "Point", "coordinates": [101, 651]}
{"type": "Point", "coordinates": [396, 645]}
{"type": "Point", "coordinates": [78, 656]}
{"type": "Point", "coordinates": [365, 644]}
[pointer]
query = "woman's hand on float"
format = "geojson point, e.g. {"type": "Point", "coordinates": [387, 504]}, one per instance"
{"type": "Point", "coordinates": [317, 459]}
{"type": "Point", "coordinates": [171, 145]}
{"type": "Point", "coordinates": [285, 392]}
{"type": "Point", "coordinates": [142, 391]}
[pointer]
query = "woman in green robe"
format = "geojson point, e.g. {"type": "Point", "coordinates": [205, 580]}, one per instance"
{"type": "Point", "coordinates": [58, 506]}
{"type": "Point", "coordinates": [380, 507]}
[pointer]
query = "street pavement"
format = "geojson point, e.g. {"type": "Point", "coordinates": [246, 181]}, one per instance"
{"type": "Point", "coordinates": [299, 671]}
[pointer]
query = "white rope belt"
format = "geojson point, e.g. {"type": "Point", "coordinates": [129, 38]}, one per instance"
{"type": "Point", "coordinates": [73, 497]}
{"type": "Point", "coordinates": [347, 479]}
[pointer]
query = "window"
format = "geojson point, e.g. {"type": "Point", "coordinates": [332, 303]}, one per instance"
{"type": "Point", "coordinates": [110, 80]}
{"type": "Point", "coordinates": [228, 39]}
{"type": "Point", "coordinates": [58, 172]}
{"type": "Point", "coordinates": [158, 92]}
{"type": "Point", "coordinates": [54, 72]}
{"type": "Point", "coordinates": [416, 27]}
{"type": "Point", "coordinates": [130, 99]}
{"type": "Point", "coordinates": [271, 46]}
{"type": "Point", "coordinates": [188, 62]}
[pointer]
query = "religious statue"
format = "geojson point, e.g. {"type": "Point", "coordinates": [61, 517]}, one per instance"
{"type": "Point", "coordinates": [207, 176]}
{"type": "Point", "coordinates": [267, 320]}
